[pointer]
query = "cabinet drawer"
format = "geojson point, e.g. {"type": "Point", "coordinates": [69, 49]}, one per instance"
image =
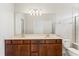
{"type": "Point", "coordinates": [7, 41]}
{"type": "Point", "coordinates": [42, 41]}
{"type": "Point", "coordinates": [59, 41]}
{"type": "Point", "coordinates": [17, 41]}
{"type": "Point", "coordinates": [51, 41]}
{"type": "Point", "coordinates": [26, 42]}
{"type": "Point", "coordinates": [35, 41]}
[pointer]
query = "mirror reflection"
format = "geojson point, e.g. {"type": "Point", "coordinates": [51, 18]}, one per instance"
{"type": "Point", "coordinates": [35, 24]}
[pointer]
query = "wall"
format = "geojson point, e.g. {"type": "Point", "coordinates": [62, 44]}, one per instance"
{"type": "Point", "coordinates": [64, 23]}
{"type": "Point", "coordinates": [6, 23]}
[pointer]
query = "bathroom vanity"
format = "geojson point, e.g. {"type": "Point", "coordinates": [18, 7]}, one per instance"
{"type": "Point", "coordinates": [33, 45]}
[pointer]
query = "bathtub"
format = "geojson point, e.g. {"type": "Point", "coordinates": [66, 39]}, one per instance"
{"type": "Point", "coordinates": [69, 51]}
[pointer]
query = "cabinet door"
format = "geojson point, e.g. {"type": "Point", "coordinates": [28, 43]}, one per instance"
{"type": "Point", "coordinates": [59, 49]}
{"type": "Point", "coordinates": [11, 50]}
{"type": "Point", "coordinates": [51, 51]}
{"type": "Point", "coordinates": [24, 50]}
{"type": "Point", "coordinates": [8, 50]}
{"type": "Point", "coordinates": [42, 50]}
{"type": "Point", "coordinates": [15, 50]}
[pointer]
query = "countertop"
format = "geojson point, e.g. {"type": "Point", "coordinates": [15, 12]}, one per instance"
{"type": "Point", "coordinates": [35, 36]}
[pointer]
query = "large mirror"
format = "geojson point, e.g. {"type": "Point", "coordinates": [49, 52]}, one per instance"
{"type": "Point", "coordinates": [34, 19]}
{"type": "Point", "coordinates": [33, 24]}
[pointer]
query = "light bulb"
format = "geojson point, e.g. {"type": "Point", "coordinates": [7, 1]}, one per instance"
{"type": "Point", "coordinates": [35, 12]}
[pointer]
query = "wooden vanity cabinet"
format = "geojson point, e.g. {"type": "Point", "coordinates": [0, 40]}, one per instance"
{"type": "Point", "coordinates": [49, 47]}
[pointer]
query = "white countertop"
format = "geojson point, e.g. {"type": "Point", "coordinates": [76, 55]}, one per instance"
{"type": "Point", "coordinates": [36, 36]}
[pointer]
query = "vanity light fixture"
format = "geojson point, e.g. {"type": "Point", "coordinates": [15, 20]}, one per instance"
{"type": "Point", "coordinates": [35, 12]}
